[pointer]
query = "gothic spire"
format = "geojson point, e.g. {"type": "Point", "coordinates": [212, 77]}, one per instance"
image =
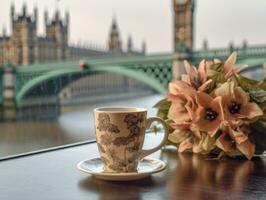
{"type": "Point", "coordinates": [67, 18]}
{"type": "Point", "coordinates": [114, 24]}
{"type": "Point", "coordinates": [129, 44]}
{"type": "Point", "coordinates": [4, 31]}
{"type": "Point", "coordinates": [205, 44]}
{"type": "Point", "coordinates": [46, 17]}
{"type": "Point", "coordinates": [115, 44]}
{"type": "Point", "coordinates": [35, 14]}
{"type": "Point", "coordinates": [244, 44]}
{"type": "Point", "coordinates": [12, 12]}
{"type": "Point", "coordinates": [24, 10]}
{"type": "Point", "coordinates": [143, 47]}
{"type": "Point", "coordinates": [57, 15]}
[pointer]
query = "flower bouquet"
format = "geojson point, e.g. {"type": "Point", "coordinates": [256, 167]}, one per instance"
{"type": "Point", "coordinates": [214, 109]}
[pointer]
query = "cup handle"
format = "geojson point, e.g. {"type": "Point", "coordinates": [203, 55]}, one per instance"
{"type": "Point", "coordinates": [146, 152]}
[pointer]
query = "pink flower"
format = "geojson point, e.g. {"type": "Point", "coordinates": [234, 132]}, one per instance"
{"type": "Point", "coordinates": [182, 97]}
{"type": "Point", "coordinates": [206, 117]}
{"type": "Point", "coordinates": [236, 103]}
{"type": "Point", "coordinates": [229, 65]}
{"type": "Point", "coordinates": [190, 138]}
{"type": "Point", "coordinates": [235, 138]}
{"type": "Point", "coordinates": [197, 78]}
{"type": "Point", "coordinates": [227, 68]}
{"type": "Point", "coordinates": [185, 135]}
{"type": "Point", "coordinates": [209, 114]}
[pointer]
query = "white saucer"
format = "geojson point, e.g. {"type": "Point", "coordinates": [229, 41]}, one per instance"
{"type": "Point", "coordinates": [146, 167]}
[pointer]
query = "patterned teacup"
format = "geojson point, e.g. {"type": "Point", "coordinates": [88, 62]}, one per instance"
{"type": "Point", "coordinates": [120, 133]}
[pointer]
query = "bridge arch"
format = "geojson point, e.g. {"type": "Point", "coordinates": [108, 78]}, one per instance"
{"type": "Point", "coordinates": [252, 64]}
{"type": "Point", "coordinates": [137, 75]}
{"type": "Point", "coordinates": [254, 68]}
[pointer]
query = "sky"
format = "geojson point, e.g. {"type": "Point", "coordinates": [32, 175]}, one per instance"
{"type": "Point", "coordinates": [219, 21]}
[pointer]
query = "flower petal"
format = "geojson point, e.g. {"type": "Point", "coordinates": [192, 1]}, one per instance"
{"type": "Point", "coordinates": [178, 87]}
{"type": "Point", "coordinates": [241, 96]}
{"type": "Point", "coordinates": [195, 131]}
{"type": "Point", "coordinates": [216, 61]}
{"type": "Point", "coordinates": [204, 86]}
{"type": "Point", "coordinates": [204, 99]}
{"type": "Point", "coordinates": [178, 136]}
{"type": "Point", "coordinates": [185, 78]}
{"type": "Point", "coordinates": [202, 70]}
{"type": "Point", "coordinates": [183, 126]}
{"type": "Point", "coordinates": [190, 111]}
{"type": "Point", "coordinates": [173, 88]}
{"type": "Point", "coordinates": [238, 136]}
{"type": "Point", "coordinates": [225, 143]}
{"type": "Point", "coordinates": [205, 125]}
{"type": "Point", "coordinates": [251, 110]}
{"type": "Point", "coordinates": [197, 146]}
{"type": "Point", "coordinates": [177, 111]}
{"type": "Point", "coordinates": [225, 90]}
{"type": "Point", "coordinates": [216, 105]}
{"type": "Point", "coordinates": [185, 145]}
{"type": "Point", "coordinates": [191, 71]}
{"type": "Point", "coordinates": [247, 148]}
{"type": "Point", "coordinates": [229, 63]}
{"type": "Point", "coordinates": [187, 66]}
{"type": "Point", "coordinates": [208, 143]}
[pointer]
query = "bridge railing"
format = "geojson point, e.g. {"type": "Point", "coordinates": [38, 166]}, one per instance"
{"type": "Point", "coordinates": [244, 52]}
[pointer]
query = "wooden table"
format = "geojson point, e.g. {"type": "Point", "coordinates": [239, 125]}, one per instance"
{"type": "Point", "coordinates": [52, 175]}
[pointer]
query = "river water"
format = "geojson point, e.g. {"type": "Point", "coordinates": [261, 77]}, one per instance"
{"type": "Point", "coordinates": [75, 124]}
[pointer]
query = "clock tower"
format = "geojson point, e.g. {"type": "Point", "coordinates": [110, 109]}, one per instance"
{"type": "Point", "coordinates": [183, 35]}
{"type": "Point", "coordinates": [183, 25]}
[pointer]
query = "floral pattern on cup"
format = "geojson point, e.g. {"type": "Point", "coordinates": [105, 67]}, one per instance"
{"type": "Point", "coordinates": [106, 125]}
{"type": "Point", "coordinates": [130, 142]}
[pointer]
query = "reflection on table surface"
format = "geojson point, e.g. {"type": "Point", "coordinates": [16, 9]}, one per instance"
{"type": "Point", "coordinates": [192, 177]}
{"type": "Point", "coordinates": [196, 177]}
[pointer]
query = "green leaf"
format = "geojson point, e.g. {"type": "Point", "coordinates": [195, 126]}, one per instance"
{"type": "Point", "coordinates": [162, 114]}
{"type": "Point", "coordinates": [215, 73]}
{"type": "Point", "coordinates": [208, 143]}
{"type": "Point", "coordinates": [256, 89]}
{"type": "Point", "coordinates": [259, 97]}
{"type": "Point", "coordinates": [163, 108]}
{"type": "Point", "coordinates": [258, 135]}
{"type": "Point", "coordinates": [262, 84]}
{"type": "Point", "coordinates": [164, 104]}
{"type": "Point", "coordinates": [250, 84]}
{"type": "Point", "coordinates": [170, 129]}
{"type": "Point", "coordinates": [218, 67]}
{"type": "Point", "coordinates": [216, 80]}
{"type": "Point", "coordinates": [246, 83]}
{"type": "Point", "coordinates": [171, 143]}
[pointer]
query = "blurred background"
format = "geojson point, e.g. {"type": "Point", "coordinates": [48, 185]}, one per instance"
{"type": "Point", "coordinates": [59, 59]}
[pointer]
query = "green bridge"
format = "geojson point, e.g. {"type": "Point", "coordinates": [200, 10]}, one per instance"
{"type": "Point", "coordinates": [154, 70]}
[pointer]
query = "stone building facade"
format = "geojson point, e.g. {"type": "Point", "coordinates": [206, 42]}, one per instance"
{"type": "Point", "coordinates": [23, 46]}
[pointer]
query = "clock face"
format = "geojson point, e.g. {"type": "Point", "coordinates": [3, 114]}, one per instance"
{"type": "Point", "coordinates": [180, 1]}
